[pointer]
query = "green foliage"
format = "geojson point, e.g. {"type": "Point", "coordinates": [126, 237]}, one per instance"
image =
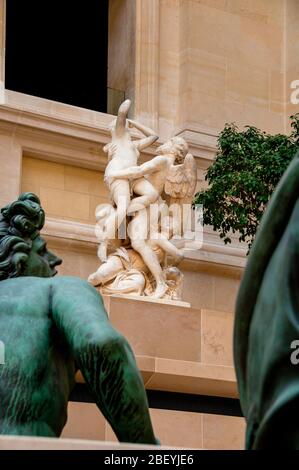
{"type": "Point", "coordinates": [247, 168]}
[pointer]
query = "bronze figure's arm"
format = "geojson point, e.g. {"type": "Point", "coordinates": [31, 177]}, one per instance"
{"type": "Point", "coordinates": [105, 359]}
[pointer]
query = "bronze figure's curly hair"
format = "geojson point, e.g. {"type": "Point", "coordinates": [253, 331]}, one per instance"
{"type": "Point", "coordinates": [20, 223]}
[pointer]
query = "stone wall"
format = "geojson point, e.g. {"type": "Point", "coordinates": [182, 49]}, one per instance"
{"type": "Point", "coordinates": [178, 349]}
{"type": "Point", "coordinates": [68, 192]}
{"type": "Point", "coordinates": [291, 55]}
{"type": "Point", "coordinates": [221, 61]}
{"type": "Point", "coordinates": [173, 428]}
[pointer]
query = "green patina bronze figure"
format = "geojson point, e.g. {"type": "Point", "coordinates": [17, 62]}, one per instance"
{"type": "Point", "coordinates": [51, 327]}
{"type": "Point", "coordinates": [267, 324]}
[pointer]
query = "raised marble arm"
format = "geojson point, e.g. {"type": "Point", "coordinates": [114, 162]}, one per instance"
{"type": "Point", "coordinates": [150, 138]}
{"type": "Point", "coordinates": [121, 119]}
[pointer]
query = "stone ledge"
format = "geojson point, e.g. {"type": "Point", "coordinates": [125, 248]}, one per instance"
{"type": "Point", "coordinates": [199, 138]}
{"type": "Point", "coordinates": [185, 377]}
{"type": "Point", "coordinates": [33, 115]}
{"type": "Point", "coordinates": [39, 114]}
{"type": "Point", "coordinates": [193, 377]}
{"type": "Point", "coordinates": [35, 112]}
{"type": "Point", "coordinates": [213, 250]}
{"type": "Point", "coordinates": [174, 303]}
{"type": "Point", "coordinates": [44, 443]}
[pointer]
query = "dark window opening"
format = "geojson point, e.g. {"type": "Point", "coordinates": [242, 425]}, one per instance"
{"type": "Point", "coordinates": [58, 49]}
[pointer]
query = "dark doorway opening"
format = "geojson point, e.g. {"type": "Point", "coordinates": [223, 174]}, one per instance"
{"type": "Point", "coordinates": [58, 49]}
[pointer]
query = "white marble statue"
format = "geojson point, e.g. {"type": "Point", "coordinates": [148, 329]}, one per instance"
{"type": "Point", "coordinates": [136, 229]}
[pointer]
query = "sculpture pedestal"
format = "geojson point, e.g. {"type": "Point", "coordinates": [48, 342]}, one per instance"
{"type": "Point", "coordinates": [174, 303]}
{"type": "Point", "coordinates": [178, 348]}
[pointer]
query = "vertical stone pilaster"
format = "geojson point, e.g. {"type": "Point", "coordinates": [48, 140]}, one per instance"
{"type": "Point", "coordinates": [147, 62]}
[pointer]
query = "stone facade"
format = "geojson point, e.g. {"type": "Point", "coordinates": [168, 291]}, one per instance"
{"type": "Point", "coordinates": [194, 65]}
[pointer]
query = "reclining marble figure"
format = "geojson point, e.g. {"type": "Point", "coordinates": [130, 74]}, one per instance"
{"type": "Point", "coordinates": [51, 327]}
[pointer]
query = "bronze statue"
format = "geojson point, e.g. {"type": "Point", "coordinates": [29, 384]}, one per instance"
{"type": "Point", "coordinates": [50, 328]}
{"type": "Point", "coordinates": [267, 324]}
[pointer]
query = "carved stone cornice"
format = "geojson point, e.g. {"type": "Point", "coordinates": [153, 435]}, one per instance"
{"type": "Point", "coordinates": [65, 233]}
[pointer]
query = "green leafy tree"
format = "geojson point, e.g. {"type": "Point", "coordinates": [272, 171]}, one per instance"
{"type": "Point", "coordinates": [247, 168]}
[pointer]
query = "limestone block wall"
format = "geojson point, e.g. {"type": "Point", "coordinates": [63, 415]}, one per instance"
{"type": "Point", "coordinates": [67, 192]}
{"type": "Point", "coordinates": [221, 61]}
{"type": "Point", "coordinates": [291, 56]}
{"type": "Point", "coordinates": [178, 349]}
{"type": "Point", "coordinates": [174, 428]}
